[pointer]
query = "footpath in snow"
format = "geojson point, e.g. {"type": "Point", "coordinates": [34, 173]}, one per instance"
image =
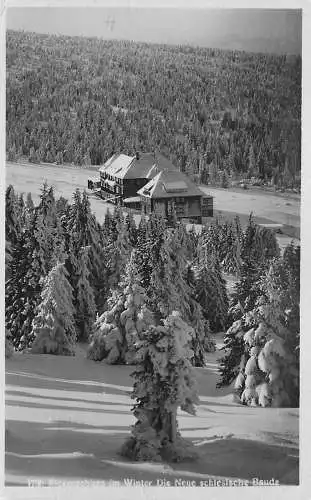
{"type": "Point", "coordinates": [67, 417]}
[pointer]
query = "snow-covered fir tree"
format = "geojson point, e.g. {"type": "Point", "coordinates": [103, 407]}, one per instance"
{"type": "Point", "coordinates": [82, 229]}
{"type": "Point", "coordinates": [49, 239]}
{"type": "Point", "coordinates": [47, 201]}
{"type": "Point", "coordinates": [29, 202]}
{"type": "Point", "coordinates": [169, 290]}
{"type": "Point", "coordinates": [21, 209]}
{"type": "Point", "coordinates": [119, 252]}
{"type": "Point", "coordinates": [268, 374]}
{"type": "Point", "coordinates": [117, 330]}
{"type": "Point", "coordinates": [246, 292]}
{"type": "Point", "coordinates": [210, 289]}
{"type": "Point", "coordinates": [211, 238]}
{"type": "Point", "coordinates": [291, 287]}
{"type": "Point", "coordinates": [285, 273]}
{"type": "Point", "coordinates": [258, 243]}
{"type": "Point", "coordinates": [53, 326]}
{"type": "Point", "coordinates": [131, 229]}
{"type": "Point", "coordinates": [141, 229]}
{"type": "Point", "coordinates": [231, 259]}
{"type": "Point", "coordinates": [163, 382]}
{"type": "Point", "coordinates": [150, 237]}
{"type": "Point", "coordinates": [199, 322]}
{"type": "Point", "coordinates": [268, 370]}
{"type": "Point", "coordinates": [62, 206]}
{"type": "Point", "coordinates": [12, 216]}
{"type": "Point", "coordinates": [23, 288]}
{"type": "Point", "coordinates": [8, 260]}
{"type": "Point", "coordinates": [109, 225]}
{"type": "Point", "coordinates": [85, 308]}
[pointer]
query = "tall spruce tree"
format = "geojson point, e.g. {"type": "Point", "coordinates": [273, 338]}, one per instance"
{"type": "Point", "coordinates": [268, 373]}
{"type": "Point", "coordinates": [116, 332]}
{"type": "Point", "coordinates": [23, 288]}
{"type": "Point", "coordinates": [286, 276]}
{"type": "Point", "coordinates": [210, 288]}
{"type": "Point", "coordinates": [53, 327]}
{"type": "Point", "coordinates": [262, 353]}
{"type": "Point", "coordinates": [119, 251]}
{"type": "Point", "coordinates": [85, 308]}
{"type": "Point", "coordinates": [29, 202]}
{"type": "Point", "coordinates": [258, 243]}
{"type": "Point", "coordinates": [150, 238]}
{"type": "Point", "coordinates": [131, 229]}
{"type": "Point", "coordinates": [12, 219]}
{"type": "Point", "coordinates": [83, 230]}
{"type": "Point", "coordinates": [243, 300]}
{"type": "Point", "coordinates": [163, 382]}
{"type": "Point", "coordinates": [231, 258]}
{"type": "Point", "coordinates": [169, 290]}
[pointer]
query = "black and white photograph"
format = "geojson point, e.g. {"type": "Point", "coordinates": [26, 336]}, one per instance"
{"type": "Point", "coordinates": [152, 249]}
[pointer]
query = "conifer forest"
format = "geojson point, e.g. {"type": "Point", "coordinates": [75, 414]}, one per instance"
{"type": "Point", "coordinates": [119, 325]}
{"type": "Point", "coordinates": [218, 115]}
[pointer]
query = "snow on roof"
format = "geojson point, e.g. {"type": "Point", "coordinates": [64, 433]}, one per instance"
{"type": "Point", "coordinates": [148, 189]}
{"type": "Point", "coordinates": [142, 166]}
{"type": "Point", "coordinates": [152, 172]}
{"type": "Point", "coordinates": [122, 166]}
{"type": "Point", "coordinates": [117, 165]}
{"type": "Point", "coordinates": [133, 199]}
{"type": "Point", "coordinates": [169, 183]}
{"type": "Point", "coordinates": [175, 187]}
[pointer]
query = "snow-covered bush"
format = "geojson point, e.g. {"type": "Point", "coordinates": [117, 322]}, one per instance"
{"type": "Point", "coordinates": [163, 382]}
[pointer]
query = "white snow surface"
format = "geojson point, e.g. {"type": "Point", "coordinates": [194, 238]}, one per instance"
{"type": "Point", "coordinates": [67, 417]}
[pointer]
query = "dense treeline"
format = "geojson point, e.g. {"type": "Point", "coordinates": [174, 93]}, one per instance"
{"type": "Point", "coordinates": [219, 115]}
{"type": "Point", "coordinates": [70, 279]}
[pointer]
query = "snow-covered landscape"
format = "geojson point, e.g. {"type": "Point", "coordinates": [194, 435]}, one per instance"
{"type": "Point", "coordinates": [67, 418]}
{"type": "Point", "coordinates": [152, 251]}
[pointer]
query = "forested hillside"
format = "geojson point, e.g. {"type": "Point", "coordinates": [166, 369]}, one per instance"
{"type": "Point", "coordinates": [218, 115]}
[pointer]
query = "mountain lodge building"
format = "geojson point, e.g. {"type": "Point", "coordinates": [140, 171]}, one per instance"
{"type": "Point", "coordinates": [151, 183]}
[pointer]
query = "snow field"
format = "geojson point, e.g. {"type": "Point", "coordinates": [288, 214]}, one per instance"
{"type": "Point", "coordinates": [70, 427]}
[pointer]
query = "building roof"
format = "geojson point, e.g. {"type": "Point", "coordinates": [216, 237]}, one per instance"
{"type": "Point", "coordinates": [117, 165]}
{"type": "Point", "coordinates": [133, 199]}
{"type": "Point", "coordinates": [145, 166]}
{"type": "Point", "coordinates": [142, 167]}
{"type": "Point", "coordinates": [169, 184]}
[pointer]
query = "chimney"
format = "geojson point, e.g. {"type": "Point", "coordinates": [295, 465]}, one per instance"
{"type": "Point", "coordinates": [137, 155]}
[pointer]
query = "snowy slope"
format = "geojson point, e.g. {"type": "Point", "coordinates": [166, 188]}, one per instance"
{"type": "Point", "coordinates": [66, 419]}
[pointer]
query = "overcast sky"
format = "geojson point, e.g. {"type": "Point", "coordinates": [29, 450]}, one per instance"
{"type": "Point", "coordinates": [256, 30]}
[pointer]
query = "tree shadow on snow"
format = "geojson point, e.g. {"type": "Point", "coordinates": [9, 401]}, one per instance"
{"type": "Point", "coordinates": [247, 459]}
{"type": "Point", "coordinates": [43, 456]}
{"type": "Point", "coordinates": [35, 449]}
{"type": "Point", "coordinates": [24, 394]}
{"type": "Point", "coordinates": [50, 406]}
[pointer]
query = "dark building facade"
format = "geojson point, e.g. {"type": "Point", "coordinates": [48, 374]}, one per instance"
{"type": "Point", "coordinates": [122, 176]}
